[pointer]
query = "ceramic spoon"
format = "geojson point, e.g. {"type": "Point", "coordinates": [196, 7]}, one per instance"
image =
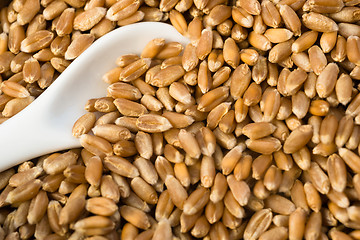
{"type": "Point", "coordinates": [45, 126]}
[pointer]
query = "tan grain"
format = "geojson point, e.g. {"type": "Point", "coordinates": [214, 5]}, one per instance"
{"type": "Point", "coordinates": [258, 224]}
{"type": "Point", "coordinates": [319, 22]}
{"type": "Point", "coordinates": [290, 19]}
{"type": "Point", "coordinates": [121, 10]}
{"type": "Point", "coordinates": [298, 138]}
{"type": "Point", "coordinates": [242, 17]}
{"type": "Point", "coordinates": [28, 11]}
{"type": "Point", "coordinates": [143, 144]}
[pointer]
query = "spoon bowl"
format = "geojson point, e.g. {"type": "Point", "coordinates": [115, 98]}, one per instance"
{"type": "Point", "coordinates": [45, 126]}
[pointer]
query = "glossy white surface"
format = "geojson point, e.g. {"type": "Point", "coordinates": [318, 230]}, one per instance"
{"type": "Point", "coordinates": [45, 125]}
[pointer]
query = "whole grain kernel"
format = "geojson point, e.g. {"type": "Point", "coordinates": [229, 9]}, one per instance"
{"type": "Point", "coordinates": [94, 225]}
{"type": "Point", "coordinates": [134, 70]}
{"type": "Point", "coordinates": [231, 159]}
{"type": "Point", "coordinates": [17, 63]}
{"type": "Point", "coordinates": [36, 41]}
{"type": "Point", "coordinates": [281, 132]}
{"type": "Point", "coordinates": [171, 61]}
{"type": "Point", "coordinates": [310, 85]}
{"type": "Point", "coordinates": [14, 89]}
{"type": "Point", "coordinates": [151, 103]}
{"type": "Point", "coordinates": [166, 76]}
{"type": "Point", "coordinates": [180, 92]}
{"type": "Point", "coordinates": [348, 29]}
{"type": "Point", "coordinates": [240, 80]}
{"type": "Point", "coordinates": [206, 140]}
{"type": "Point", "coordinates": [258, 224]}
{"type": "Point", "coordinates": [319, 108]}
{"type": "Point", "coordinates": [143, 144]}
{"type": "Point", "coordinates": [218, 15]}
{"type": "Point", "coordinates": [352, 49]}
{"type": "Point", "coordinates": [319, 22]}
{"type": "Point", "coordinates": [5, 60]}
{"type": "Point", "coordinates": [277, 35]}
{"type": "Point", "coordinates": [178, 21]}
{"type": "Point", "coordinates": [54, 9]}
{"type": "Point", "coordinates": [28, 11]}
{"type": "Point", "coordinates": [313, 226]}
{"type": "Point", "coordinates": [260, 165]}
{"type": "Point", "coordinates": [290, 19]}
{"type": "Point", "coordinates": [215, 60]}
{"type": "Point", "coordinates": [327, 80]}
{"type": "Point", "coordinates": [300, 104]}
{"type": "Point", "coordinates": [130, 108]}
{"type": "Point", "coordinates": [15, 105]}
{"type": "Point", "coordinates": [179, 120]}
{"type": "Point", "coordinates": [258, 41]}
{"type": "Point", "coordinates": [346, 125]}
{"type": "Point", "coordinates": [31, 70]}
{"type": "Point", "coordinates": [3, 42]}
{"type": "Point", "coordinates": [346, 14]}
{"type": "Point", "coordinates": [78, 45]}
{"type": "Point", "coordinates": [293, 122]}
{"type": "Point", "coordinates": [213, 211]}
{"type": "Point", "coordinates": [280, 52]}
{"type": "Point", "coordinates": [59, 64]}
{"type": "Point", "coordinates": [297, 223]}
{"type": "Point", "coordinates": [152, 14]}
{"type": "Point", "coordinates": [152, 48]}
{"type": "Point", "coordinates": [216, 114]}
{"type": "Point", "coordinates": [260, 70]}
{"type": "Point", "coordinates": [305, 41]}
{"type": "Point", "coordinates": [270, 104]}
{"type": "Point", "coordinates": [266, 145]}
{"type": "Point", "coordinates": [136, 17]}
{"type": "Point", "coordinates": [338, 54]}
{"type": "Point", "coordinates": [293, 81]}
{"type": "Point", "coordinates": [239, 34]}
{"type": "Point", "coordinates": [64, 24]}
{"type": "Point", "coordinates": [242, 17]}
{"type": "Point", "coordinates": [302, 158]}
{"type": "Point", "coordinates": [259, 25]}
{"type": "Point", "coordinates": [298, 138]}
{"type": "Point", "coordinates": [24, 192]}
{"type": "Point", "coordinates": [153, 123]}
{"type": "Point", "coordinates": [121, 10]}
{"type": "Point", "coordinates": [111, 132]}
{"type": "Point", "coordinates": [182, 5]}
{"type": "Point", "coordinates": [272, 178]}
{"type": "Point", "coordinates": [205, 44]}
{"type": "Point", "coordinates": [170, 49]}
{"type": "Point", "coordinates": [302, 61]}
{"type": "Point", "coordinates": [59, 45]}
{"type": "Point", "coordinates": [320, 7]}
{"type": "Point", "coordinates": [103, 27]}
{"type": "Point", "coordinates": [298, 196]}
{"type": "Point", "coordinates": [249, 56]}
{"type": "Point", "coordinates": [258, 130]}
{"type": "Point", "coordinates": [189, 58]}
{"type": "Point", "coordinates": [212, 98]}
{"type": "Point", "coordinates": [328, 41]}
{"type": "Point", "coordinates": [279, 204]}
{"type": "Point", "coordinates": [317, 59]}
{"type": "Point", "coordinates": [196, 201]}
{"type": "Point", "coordinates": [270, 14]}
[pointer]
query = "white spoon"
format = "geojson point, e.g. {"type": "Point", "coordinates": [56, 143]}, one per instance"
{"type": "Point", "coordinates": [45, 126]}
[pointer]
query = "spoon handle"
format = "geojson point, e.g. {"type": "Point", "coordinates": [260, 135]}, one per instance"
{"type": "Point", "coordinates": [31, 133]}
{"type": "Point", "coordinates": [45, 126]}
